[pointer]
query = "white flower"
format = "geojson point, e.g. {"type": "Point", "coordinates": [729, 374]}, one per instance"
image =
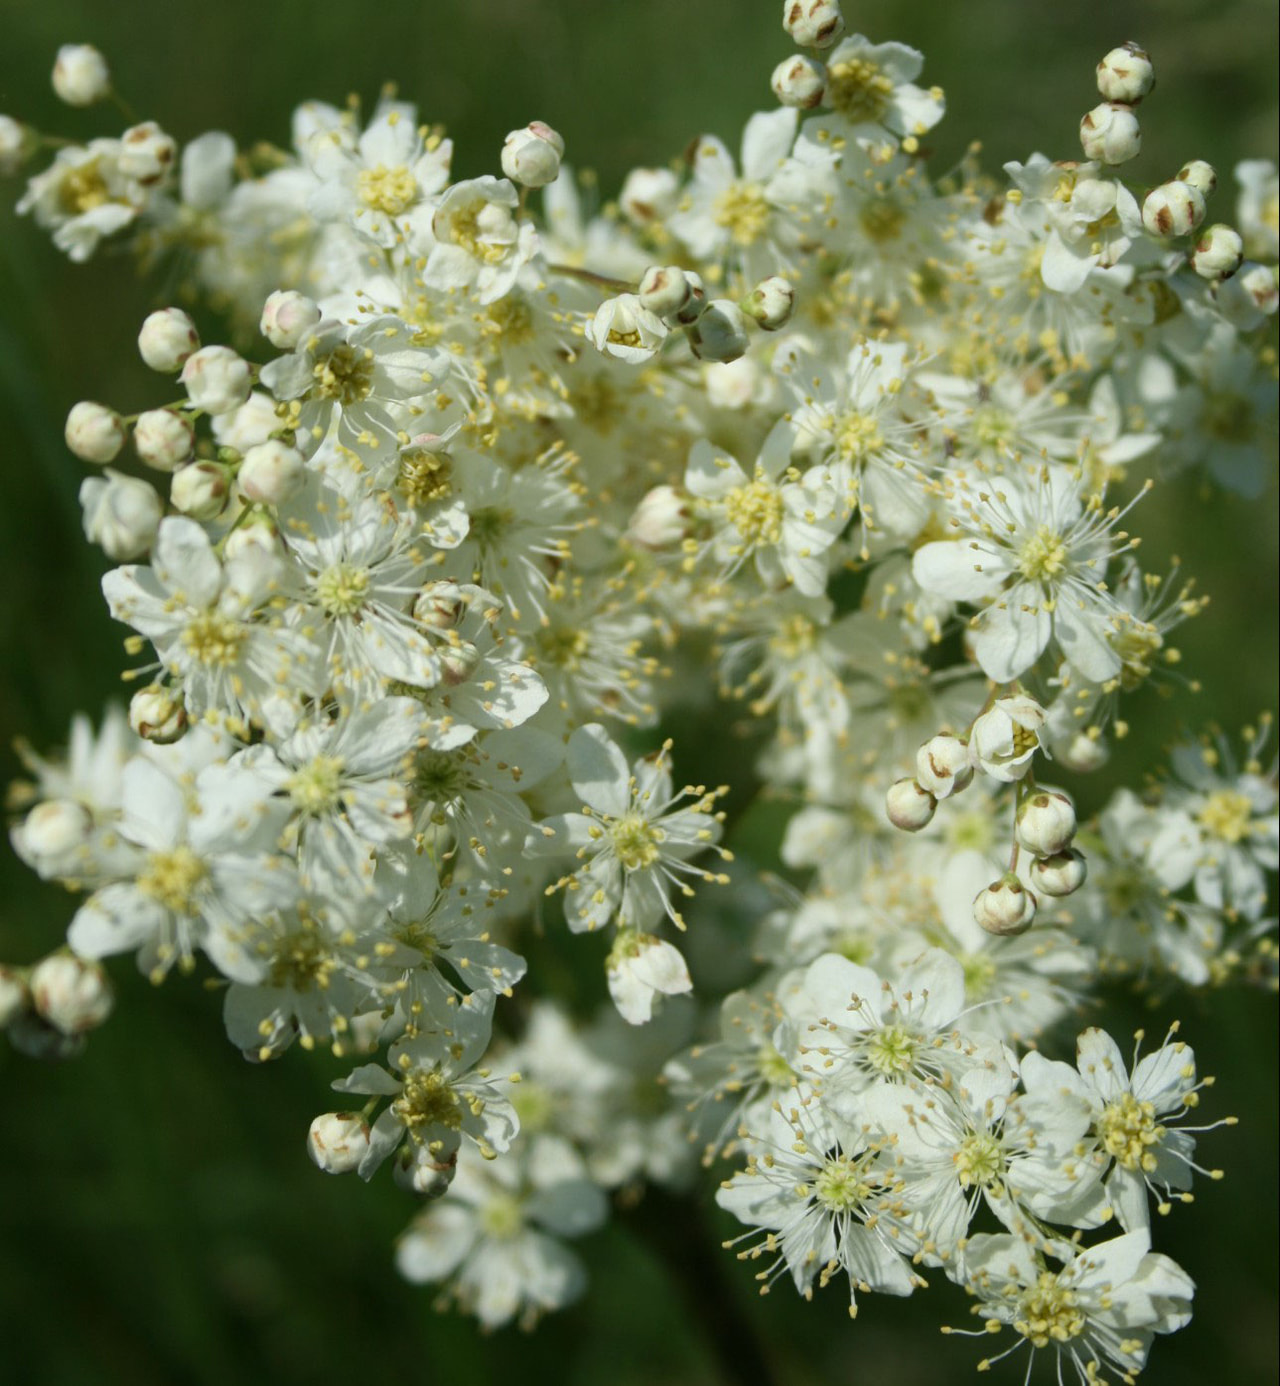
{"type": "Point", "coordinates": [632, 842]}
{"type": "Point", "coordinates": [640, 970]}
{"type": "Point", "coordinates": [1006, 737]}
{"type": "Point", "coordinates": [623, 327]}
{"type": "Point", "coordinates": [480, 244]}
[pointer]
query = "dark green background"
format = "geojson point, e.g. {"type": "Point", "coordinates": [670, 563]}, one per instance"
{"type": "Point", "coordinates": [160, 1222]}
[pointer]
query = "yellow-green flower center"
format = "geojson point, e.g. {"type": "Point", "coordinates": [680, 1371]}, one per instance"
{"type": "Point", "coordinates": [843, 1185]}
{"type": "Point", "coordinates": [342, 589]}
{"type": "Point", "coordinates": [1043, 556]}
{"type": "Point", "coordinates": [172, 878]}
{"type": "Point", "coordinates": [301, 961]}
{"type": "Point", "coordinates": [1128, 1129]}
{"type": "Point", "coordinates": [428, 1099]}
{"type": "Point", "coordinates": [891, 1050]}
{"type": "Point", "coordinates": [389, 190]}
{"type": "Point", "coordinates": [1226, 815]}
{"type": "Point", "coordinates": [316, 787]}
{"type": "Point", "coordinates": [346, 374]}
{"type": "Point", "coordinates": [882, 220]}
{"type": "Point", "coordinates": [858, 437]}
{"type": "Point", "coordinates": [979, 1161]}
{"type": "Point", "coordinates": [1047, 1312]}
{"type": "Point", "coordinates": [502, 1217]}
{"type": "Point", "coordinates": [425, 476]}
{"type": "Point", "coordinates": [858, 90]}
{"type": "Point", "coordinates": [635, 841]}
{"type": "Point", "coordinates": [213, 639]}
{"type": "Point", "coordinates": [742, 210]}
{"type": "Point", "coordinates": [755, 511]}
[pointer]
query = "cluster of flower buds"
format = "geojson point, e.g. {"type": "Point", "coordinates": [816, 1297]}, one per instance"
{"type": "Point", "coordinates": [1110, 132]}
{"type": "Point", "coordinates": [801, 80]}
{"type": "Point", "coordinates": [47, 1009]}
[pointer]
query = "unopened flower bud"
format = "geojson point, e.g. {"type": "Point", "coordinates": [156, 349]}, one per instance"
{"type": "Point", "coordinates": [1249, 296]}
{"type": "Point", "coordinates": [147, 153]}
{"type": "Point", "coordinates": [1046, 822]}
{"type": "Point", "coordinates": [1110, 133]}
{"type": "Point", "coordinates": [163, 438]}
{"type": "Point", "coordinates": [287, 316]}
{"type": "Point", "coordinates": [943, 766]}
{"type": "Point", "coordinates": [80, 75]}
{"type": "Point", "coordinates": [1126, 74]}
{"type": "Point", "coordinates": [258, 532]}
{"type": "Point", "coordinates": [271, 472]}
{"type": "Point", "coordinates": [1063, 873]}
{"type": "Point", "coordinates": [157, 714]}
{"type": "Point", "coordinates": [661, 519]}
{"type": "Point", "coordinates": [648, 195]}
{"type": "Point", "coordinates": [1173, 209]}
{"type": "Point", "coordinates": [1005, 907]}
{"type": "Point", "coordinates": [167, 338]}
{"type": "Point", "coordinates": [799, 81]}
{"type": "Point", "coordinates": [696, 304]}
{"type": "Point", "coordinates": [813, 23]}
{"type": "Point", "coordinates": [1219, 252]}
{"type": "Point", "coordinates": [13, 146]}
{"type": "Point", "coordinates": [532, 156]}
{"type": "Point", "coordinates": [14, 995]}
{"type": "Point", "coordinates": [338, 1141]}
{"type": "Point", "coordinates": [217, 380]}
{"type": "Point", "coordinates": [771, 302]}
{"type": "Point", "coordinates": [94, 432]}
{"type": "Point", "coordinates": [1202, 176]}
{"type": "Point", "coordinates": [665, 290]}
{"type": "Point", "coordinates": [121, 514]}
{"type": "Point", "coordinates": [72, 994]}
{"type": "Point", "coordinates": [439, 606]}
{"type": "Point", "coordinates": [420, 1170]}
{"type": "Point", "coordinates": [720, 334]}
{"type": "Point", "coordinates": [199, 490]}
{"type": "Point", "coordinates": [908, 806]}
{"type": "Point", "coordinates": [457, 662]}
{"type": "Point", "coordinates": [50, 832]}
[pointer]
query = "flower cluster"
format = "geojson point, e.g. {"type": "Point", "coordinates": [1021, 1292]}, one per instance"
{"type": "Point", "coordinates": [485, 482]}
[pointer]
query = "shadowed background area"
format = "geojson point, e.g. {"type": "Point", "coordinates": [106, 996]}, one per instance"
{"type": "Point", "coordinates": [161, 1223]}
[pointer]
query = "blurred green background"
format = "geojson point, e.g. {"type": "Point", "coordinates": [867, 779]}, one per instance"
{"type": "Point", "coordinates": [160, 1221]}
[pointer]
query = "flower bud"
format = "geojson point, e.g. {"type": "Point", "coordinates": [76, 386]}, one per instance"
{"type": "Point", "coordinates": [696, 303]}
{"type": "Point", "coordinates": [13, 146]}
{"type": "Point", "coordinates": [121, 514]}
{"type": "Point", "coordinates": [771, 302]}
{"type": "Point", "coordinates": [147, 153]}
{"type": "Point", "coordinates": [271, 472]}
{"type": "Point", "coordinates": [648, 195]}
{"type": "Point", "coordinates": [1046, 822]}
{"type": "Point", "coordinates": [50, 833]}
{"type": "Point", "coordinates": [624, 328]}
{"type": "Point", "coordinates": [1005, 907]}
{"type": "Point", "coordinates": [439, 606]}
{"type": "Point", "coordinates": [1202, 176]}
{"type": "Point", "coordinates": [167, 338]}
{"type": "Point", "coordinates": [94, 432]}
{"type": "Point", "coordinates": [32, 1035]}
{"type": "Point", "coordinates": [80, 75]}
{"type": "Point", "coordinates": [1126, 74]}
{"type": "Point", "coordinates": [532, 156]}
{"type": "Point", "coordinates": [720, 334]}
{"type": "Point", "coordinates": [287, 316]}
{"type": "Point", "coordinates": [70, 993]}
{"type": "Point", "coordinates": [14, 996]}
{"type": "Point", "coordinates": [1218, 253]}
{"type": "Point", "coordinates": [661, 519]}
{"type": "Point", "coordinates": [217, 380]}
{"type": "Point", "coordinates": [943, 766]}
{"type": "Point", "coordinates": [259, 532]}
{"type": "Point", "coordinates": [908, 806]}
{"type": "Point", "coordinates": [457, 662]}
{"type": "Point", "coordinates": [199, 490]}
{"type": "Point", "coordinates": [665, 290]}
{"type": "Point", "coordinates": [799, 81]}
{"type": "Point", "coordinates": [1249, 296]}
{"type": "Point", "coordinates": [1173, 209]}
{"type": "Point", "coordinates": [420, 1170]}
{"type": "Point", "coordinates": [157, 714]}
{"type": "Point", "coordinates": [163, 438]}
{"type": "Point", "coordinates": [813, 23]}
{"type": "Point", "coordinates": [338, 1141]}
{"type": "Point", "coordinates": [1063, 873]}
{"type": "Point", "coordinates": [1110, 133]}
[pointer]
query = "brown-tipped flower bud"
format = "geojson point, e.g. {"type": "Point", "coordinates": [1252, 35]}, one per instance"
{"type": "Point", "coordinates": [1218, 253]}
{"type": "Point", "coordinates": [1006, 907]}
{"type": "Point", "coordinates": [813, 23]}
{"type": "Point", "coordinates": [1126, 74]}
{"type": "Point", "coordinates": [1046, 822]}
{"type": "Point", "coordinates": [1173, 209]}
{"type": "Point", "coordinates": [943, 766]}
{"type": "Point", "coordinates": [1110, 133]}
{"type": "Point", "coordinates": [1063, 873]}
{"type": "Point", "coordinates": [800, 81]}
{"type": "Point", "coordinates": [908, 806]}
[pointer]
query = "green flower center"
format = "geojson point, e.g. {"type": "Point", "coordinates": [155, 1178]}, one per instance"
{"type": "Point", "coordinates": [342, 589]}
{"type": "Point", "coordinates": [1128, 1129]}
{"type": "Point", "coordinates": [172, 878]}
{"type": "Point", "coordinates": [892, 1050]}
{"type": "Point", "coordinates": [858, 90]}
{"type": "Point", "coordinates": [346, 374]}
{"type": "Point", "coordinates": [858, 437]}
{"type": "Point", "coordinates": [213, 639]}
{"type": "Point", "coordinates": [389, 190]}
{"type": "Point", "coordinates": [635, 841]}
{"type": "Point", "coordinates": [1047, 1312]}
{"type": "Point", "coordinates": [1043, 556]}
{"type": "Point", "coordinates": [755, 511]}
{"type": "Point", "coordinates": [844, 1185]}
{"type": "Point", "coordinates": [742, 210]}
{"type": "Point", "coordinates": [316, 788]}
{"type": "Point", "coordinates": [1226, 815]}
{"type": "Point", "coordinates": [979, 1161]}
{"type": "Point", "coordinates": [428, 1099]}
